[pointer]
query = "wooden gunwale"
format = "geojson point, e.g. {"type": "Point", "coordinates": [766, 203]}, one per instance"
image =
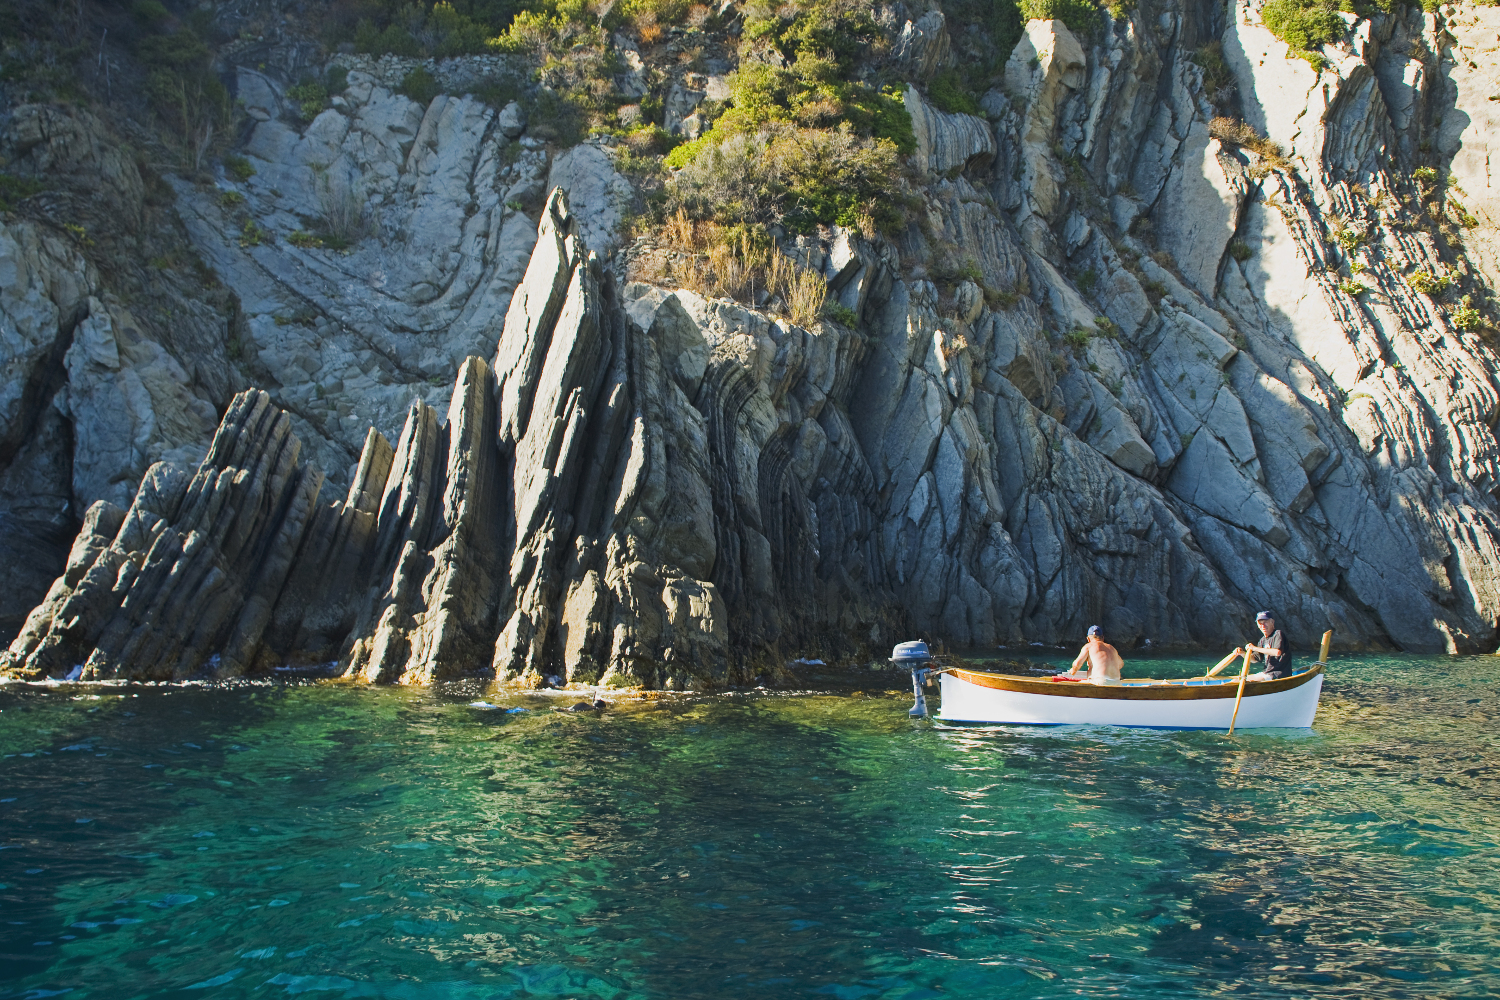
{"type": "Point", "coordinates": [1156, 691]}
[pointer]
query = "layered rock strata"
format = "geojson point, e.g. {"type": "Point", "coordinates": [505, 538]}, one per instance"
{"type": "Point", "coordinates": [576, 516]}
{"type": "Point", "coordinates": [1126, 366]}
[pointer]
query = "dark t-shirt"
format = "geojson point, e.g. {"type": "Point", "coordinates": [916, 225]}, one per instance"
{"type": "Point", "coordinates": [1280, 665]}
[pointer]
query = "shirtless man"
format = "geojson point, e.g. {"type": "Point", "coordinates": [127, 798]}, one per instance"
{"type": "Point", "coordinates": [1104, 660]}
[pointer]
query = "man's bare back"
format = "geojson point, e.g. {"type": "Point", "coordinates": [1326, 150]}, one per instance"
{"type": "Point", "coordinates": [1104, 660]}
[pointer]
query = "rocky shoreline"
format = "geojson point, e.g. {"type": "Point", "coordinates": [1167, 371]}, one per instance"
{"type": "Point", "coordinates": [1187, 370]}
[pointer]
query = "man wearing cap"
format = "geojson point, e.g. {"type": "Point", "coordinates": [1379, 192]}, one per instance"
{"type": "Point", "coordinates": [1104, 660]}
{"type": "Point", "coordinates": [1272, 650]}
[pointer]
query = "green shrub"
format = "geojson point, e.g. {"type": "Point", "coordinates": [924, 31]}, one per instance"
{"type": "Point", "coordinates": [1347, 239]}
{"type": "Point", "coordinates": [950, 265]}
{"type": "Point", "coordinates": [496, 91]}
{"type": "Point", "coordinates": [239, 168]}
{"type": "Point", "coordinates": [801, 144]}
{"type": "Point", "coordinates": [797, 176]}
{"type": "Point", "coordinates": [151, 13]}
{"type": "Point", "coordinates": [1078, 340]}
{"type": "Point", "coordinates": [1430, 284]}
{"type": "Point", "coordinates": [1079, 15]}
{"type": "Point", "coordinates": [840, 313]}
{"type": "Point", "coordinates": [253, 235]}
{"type": "Point", "coordinates": [948, 94]}
{"type": "Point", "coordinates": [889, 119]}
{"type": "Point", "coordinates": [447, 32]}
{"type": "Point", "coordinates": [394, 40]}
{"type": "Point", "coordinates": [1217, 76]}
{"type": "Point", "coordinates": [436, 30]}
{"type": "Point", "coordinates": [647, 18]}
{"type": "Point", "coordinates": [818, 89]}
{"type": "Point", "coordinates": [310, 97]}
{"type": "Point", "coordinates": [801, 140]}
{"type": "Point", "coordinates": [1304, 24]}
{"type": "Point", "coordinates": [995, 24]}
{"type": "Point", "coordinates": [1466, 316]}
{"type": "Point", "coordinates": [1240, 251]}
{"type": "Point", "coordinates": [231, 199]}
{"type": "Point", "coordinates": [15, 189]}
{"type": "Point", "coordinates": [180, 82]}
{"type": "Point", "coordinates": [558, 115]}
{"type": "Point", "coordinates": [181, 50]}
{"type": "Point", "coordinates": [420, 85]}
{"type": "Point", "coordinates": [1351, 287]}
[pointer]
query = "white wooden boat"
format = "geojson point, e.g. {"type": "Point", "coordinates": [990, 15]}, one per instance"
{"type": "Point", "coordinates": [1197, 703]}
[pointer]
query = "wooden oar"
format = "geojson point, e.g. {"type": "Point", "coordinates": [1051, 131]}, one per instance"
{"type": "Point", "coordinates": [1244, 672]}
{"type": "Point", "coordinates": [1222, 664]}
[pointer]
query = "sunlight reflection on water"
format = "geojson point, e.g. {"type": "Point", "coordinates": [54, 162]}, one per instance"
{"type": "Point", "coordinates": [343, 842]}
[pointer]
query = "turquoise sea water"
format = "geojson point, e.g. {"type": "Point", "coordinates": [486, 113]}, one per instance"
{"type": "Point", "coordinates": [329, 842]}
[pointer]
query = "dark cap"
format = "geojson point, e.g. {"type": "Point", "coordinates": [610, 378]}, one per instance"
{"type": "Point", "coordinates": [1265, 616]}
{"type": "Point", "coordinates": [1093, 631]}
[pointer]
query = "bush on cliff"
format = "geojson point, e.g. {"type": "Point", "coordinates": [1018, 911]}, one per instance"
{"type": "Point", "coordinates": [741, 261]}
{"type": "Point", "coordinates": [949, 94]}
{"type": "Point", "coordinates": [796, 176]}
{"type": "Point", "coordinates": [420, 85]}
{"type": "Point", "coordinates": [1080, 16]}
{"type": "Point", "coordinates": [381, 27]}
{"type": "Point", "coordinates": [984, 32]}
{"type": "Point", "coordinates": [471, 27]}
{"type": "Point", "coordinates": [1304, 25]}
{"type": "Point", "coordinates": [804, 143]}
{"type": "Point", "coordinates": [184, 91]}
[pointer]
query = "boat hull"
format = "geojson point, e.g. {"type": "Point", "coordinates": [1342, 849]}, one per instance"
{"type": "Point", "coordinates": [975, 697]}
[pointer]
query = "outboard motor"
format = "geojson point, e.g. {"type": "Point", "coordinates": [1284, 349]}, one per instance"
{"type": "Point", "coordinates": [915, 656]}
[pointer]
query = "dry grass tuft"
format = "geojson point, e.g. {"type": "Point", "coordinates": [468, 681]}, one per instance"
{"type": "Point", "coordinates": [647, 30]}
{"type": "Point", "coordinates": [736, 262]}
{"type": "Point", "coordinates": [1241, 134]}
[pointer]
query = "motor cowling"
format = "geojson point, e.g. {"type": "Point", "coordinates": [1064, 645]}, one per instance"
{"type": "Point", "coordinates": [908, 653]}
{"type": "Point", "coordinates": [915, 656]}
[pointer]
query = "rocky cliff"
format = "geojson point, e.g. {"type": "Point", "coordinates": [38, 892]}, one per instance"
{"type": "Point", "coordinates": [1219, 339]}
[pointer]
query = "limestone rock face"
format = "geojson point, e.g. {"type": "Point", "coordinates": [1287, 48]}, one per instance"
{"type": "Point", "coordinates": [1469, 134]}
{"type": "Point", "coordinates": [582, 515]}
{"type": "Point", "coordinates": [947, 142]}
{"type": "Point", "coordinates": [1125, 367]}
{"type": "Point", "coordinates": [92, 394]}
{"type": "Point", "coordinates": [431, 202]}
{"type": "Point", "coordinates": [184, 580]}
{"type": "Point", "coordinates": [1261, 352]}
{"type": "Point", "coordinates": [922, 47]}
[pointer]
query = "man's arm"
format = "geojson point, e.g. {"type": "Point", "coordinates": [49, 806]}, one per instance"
{"type": "Point", "coordinates": [1083, 654]}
